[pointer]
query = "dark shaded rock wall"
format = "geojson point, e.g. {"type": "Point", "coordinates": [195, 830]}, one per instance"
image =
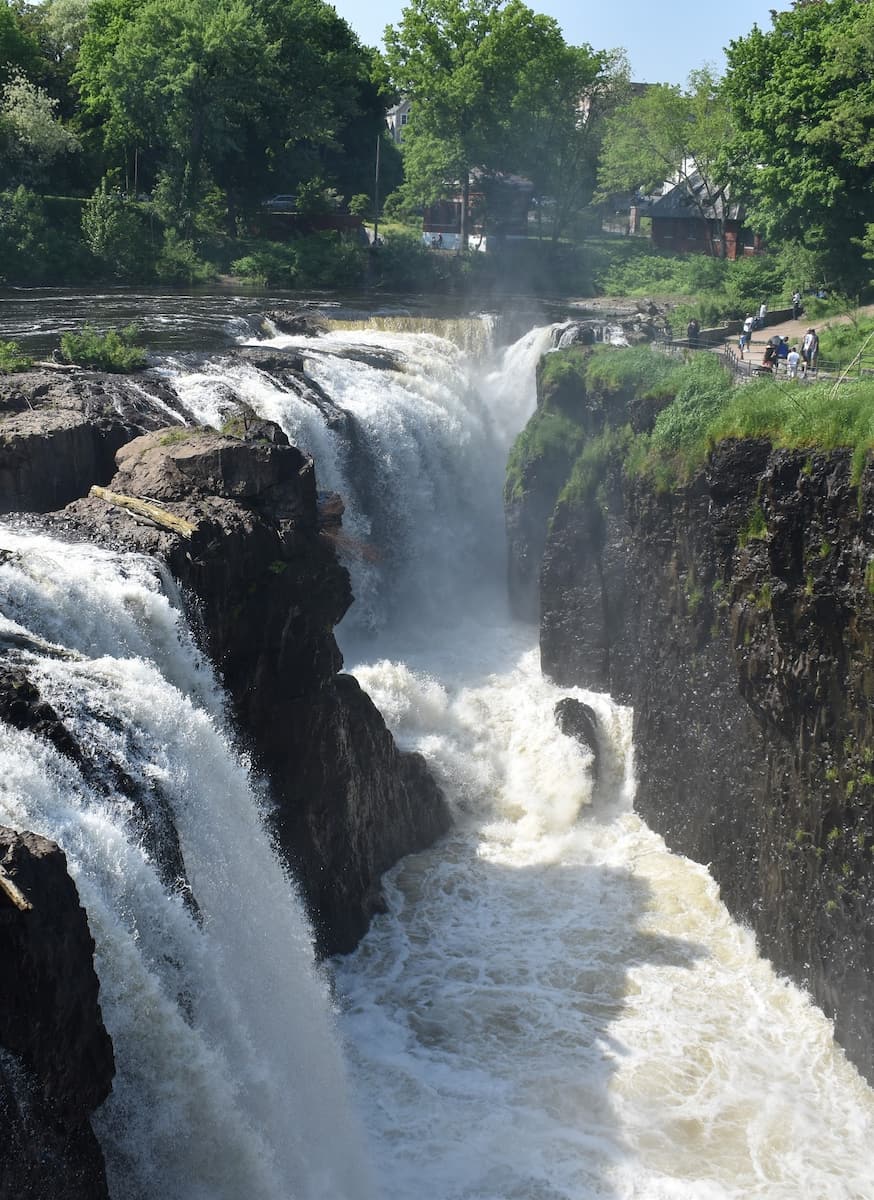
{"type": "Point", "coordinates": [268, 591]}
{"type": "Point", "coordinates": [56, 1063]}
{"type": "Point", "coordinates": [736, 616]}
{"type": "Point", "coordinates": [59, 433]}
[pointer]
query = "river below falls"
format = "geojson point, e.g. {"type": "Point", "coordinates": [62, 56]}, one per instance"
{"type": "Point", "coordinates": [552, 1006]}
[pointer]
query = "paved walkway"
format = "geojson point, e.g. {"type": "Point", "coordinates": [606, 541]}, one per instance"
{"type": "Point", "coordinates": [795, 330]}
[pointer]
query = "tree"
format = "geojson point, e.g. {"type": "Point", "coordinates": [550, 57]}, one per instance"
{"type": "Point", "coordinates": [19, 50]}
{"type": "Point", "coordinates": [463, 64]}
{"type": "Point", "coordinates": [182, 77]}
{"type": "Point", "coordinates": [671, 133]}
{"type": "Point", "coordinates": [31, 136]}
{"type": "Point", "coordinates": [803, 101]}
{"type": "Point", "coordinates": [561, 119]}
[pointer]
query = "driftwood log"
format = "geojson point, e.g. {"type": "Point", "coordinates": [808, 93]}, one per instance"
{"type": "Point", "coordinates": [14, 893]}
{"type": "Point", "coordinates": [145, 508]}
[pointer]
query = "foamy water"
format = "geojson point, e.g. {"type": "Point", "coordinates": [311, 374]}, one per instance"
{"type": "Point", "coordinates": [554, 1007]}
{"type": "Point", "coordinates": [230, 1084]}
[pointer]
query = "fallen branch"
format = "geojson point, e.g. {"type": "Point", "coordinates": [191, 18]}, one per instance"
{"type": "Point", "coordinates": [15, 894]}
{"type": "Point", "coordinates": [146, 509]}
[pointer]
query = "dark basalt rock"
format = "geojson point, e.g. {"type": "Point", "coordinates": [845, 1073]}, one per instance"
{"type": "Point", "coordinates": [56, 1061]}
{"type": "Point", "coordinates": [735, 614]}
{"type": "Point", "coordinates": [300, 321]}
{"type": "Point", "coordinates": [262, 569]}
{"type": "Point", "coordinates": [579, 721]}
{"type": "Point", "coordinates": [59, 433]}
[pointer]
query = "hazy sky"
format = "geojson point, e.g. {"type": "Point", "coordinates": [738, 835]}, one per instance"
{"type": "Point", "coordinates": [664, 40]}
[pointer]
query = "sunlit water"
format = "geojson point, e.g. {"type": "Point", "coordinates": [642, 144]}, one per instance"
{"type": "Point", "coordinates": [229, 1082]}
{"type": "Point", "coordinates": [553, 1007]}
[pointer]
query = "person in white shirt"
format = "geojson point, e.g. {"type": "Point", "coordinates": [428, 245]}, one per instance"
{"type": "Point", "coordinates": [793, 358]}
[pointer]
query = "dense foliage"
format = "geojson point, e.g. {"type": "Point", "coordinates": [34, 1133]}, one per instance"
{"type": "Point", "coordinates": [169, 123]}
{"type": "Point", "coordinates": [803, 102]}
{"type": "Point", "coordinates": [113, 351]}
{"type": "Point", "coordinates": [496, 89]}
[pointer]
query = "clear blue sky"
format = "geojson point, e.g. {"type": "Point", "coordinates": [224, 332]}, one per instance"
{"type": "Point", "coordinates": [665, 40]}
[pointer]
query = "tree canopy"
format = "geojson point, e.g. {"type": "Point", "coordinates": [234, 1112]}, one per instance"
{"type": "Point", "coordinates": [803, 99]}
{"type": "Point", "coordinates": [668, 132]}
{"type": "Point", "coordinates": [475, 72]}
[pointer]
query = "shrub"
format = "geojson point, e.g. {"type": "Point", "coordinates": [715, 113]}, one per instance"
{"type": "Point", "coordinates": [12, 360]}
{"type": "Point", "coordinates": [178, 262]}
{"type": "Point", "coordinates": [35, 249]}
{"type": "Point", "coordinates": [545, 449]}
{"type": "Point", "coordinates": [270, 264]}
{"type": "Point", "coordinates": [112, 351]}
{"type": "Point", "coordinates": [117, 234]}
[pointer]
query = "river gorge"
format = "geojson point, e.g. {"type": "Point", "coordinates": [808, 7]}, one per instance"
{"type": "Point", "coordinates": [444, 956]}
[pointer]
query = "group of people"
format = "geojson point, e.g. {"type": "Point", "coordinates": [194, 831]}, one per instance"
{"type": "Point", "coordinates": [778, 350]}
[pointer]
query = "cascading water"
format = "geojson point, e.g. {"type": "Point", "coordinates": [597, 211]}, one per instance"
{"type": "Point", "coordinates": [230, 1084]}
{"type": "Point", "coordinates": [554, 1007]}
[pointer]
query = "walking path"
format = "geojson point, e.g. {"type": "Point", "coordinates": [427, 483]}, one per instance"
{"type": "Point", "coordinates": [795, 331]}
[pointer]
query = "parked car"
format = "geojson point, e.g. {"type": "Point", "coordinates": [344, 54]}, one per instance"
{"type": "Point", "coordinates": [281, 203]}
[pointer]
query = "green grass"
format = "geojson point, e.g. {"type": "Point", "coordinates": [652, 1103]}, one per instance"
{"type": "Point", "coordinates": [636, 369]}
{"type": "Point", "coordinates": [591, 465]}
{"type": "Point", "coordinates": [702, 408]}
{"type": "Point", "coordinates": [547, 446]}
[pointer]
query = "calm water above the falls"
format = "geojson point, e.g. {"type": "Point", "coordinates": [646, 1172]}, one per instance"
{"type": "Point", "coordinates": [554, 1007]}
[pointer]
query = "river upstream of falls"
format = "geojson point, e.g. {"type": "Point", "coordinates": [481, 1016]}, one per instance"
{"type": "Point", "coordinates": [554, 1007]}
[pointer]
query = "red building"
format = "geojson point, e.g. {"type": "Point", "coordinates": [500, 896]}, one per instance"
{"type": "Point", "coordinates": [688, 220]}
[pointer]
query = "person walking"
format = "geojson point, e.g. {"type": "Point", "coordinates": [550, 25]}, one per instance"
{"type": "Point", "coordinates": [814, 350]}
{"type": "Point", "coordinates": [746, 336]}
{"type": "Point", "coordinates": [796, 305]}
{"type": "Point", "coordinates": [692, 331]}
{"type": "Point", "coordinates": [807, 345]}
{"type": "Point", "coordinates": [793, 358]}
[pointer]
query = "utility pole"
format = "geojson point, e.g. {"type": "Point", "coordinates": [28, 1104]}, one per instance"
{"type": "Point", "coordinates": [376, 193]}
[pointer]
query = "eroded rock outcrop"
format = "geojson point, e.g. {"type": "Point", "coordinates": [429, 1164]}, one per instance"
{"type": "Point", "coordinates": [59, 433]}
{"type": "Point", "coordinates": [56, 1062]}
{"type": "Point", "coordinates": [259, 561]}
{"type": "Point", "coordinates": [736, 615]}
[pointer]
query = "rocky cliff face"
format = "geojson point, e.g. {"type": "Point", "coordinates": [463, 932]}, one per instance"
{"type": "Point", "coordinates": [256, 557]}
{"type": "Point", "coordinates": [59, 433]}
{"type": "Point", "coordinates": [736, 615]}
{"type": "Point", "coordinates": [56, 1063]}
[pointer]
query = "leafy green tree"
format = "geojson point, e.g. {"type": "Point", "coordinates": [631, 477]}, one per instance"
{"type": "Point", "coordinates": [560, 115]}
{"type": "Point", "coordinates": [463, 64]}
{"type": "Point", "coordinates": [803, 101]}
{"type": "Point", "coordinates": [19, 49]}
{"type": "Point", "coordinates": [117, 234]}
{"type": "Point", "coordinates": [184, 77]}
{"type": "Point", "coordinates": [31, 136]}
{"type": "Point", "coordinates": [669, 132]}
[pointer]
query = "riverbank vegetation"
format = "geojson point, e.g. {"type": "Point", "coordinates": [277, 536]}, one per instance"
{"type": "Point", "coordinates": [697, 406]}
{"type": "Point", "coordinates": [142, 143]}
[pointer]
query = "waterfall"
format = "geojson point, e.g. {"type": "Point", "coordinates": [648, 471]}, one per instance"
{"type": "Point", "coordinates": [230, 1083]}
{"type": "Point", "coordinates": [554, 1007]}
